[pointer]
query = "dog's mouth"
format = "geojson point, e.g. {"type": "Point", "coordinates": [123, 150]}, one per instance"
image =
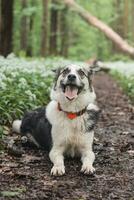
{"type": "Point", "coordinates": [71, 91]}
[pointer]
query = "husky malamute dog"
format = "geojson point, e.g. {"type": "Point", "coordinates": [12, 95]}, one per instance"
{"type": "Point", "coordinates": [66, 125]}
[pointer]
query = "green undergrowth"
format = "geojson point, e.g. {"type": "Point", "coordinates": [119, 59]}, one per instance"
{"type": "Point", "coordinates": [24, 85]}
{"type": "Point", "coordinates": [127, 83]}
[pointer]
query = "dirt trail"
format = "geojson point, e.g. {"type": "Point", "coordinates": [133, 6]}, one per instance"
{"type": "Point", "coordinates": [29, 176]}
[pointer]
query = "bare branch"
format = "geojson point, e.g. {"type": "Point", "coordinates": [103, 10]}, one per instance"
{"type": "Point", "coordinates": [108, 31]}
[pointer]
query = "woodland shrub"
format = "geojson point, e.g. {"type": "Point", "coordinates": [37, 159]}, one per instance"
{"type": "Point", "coordinates": [24, 85]}
{"type": "Point", "coordinates": [126, 82]}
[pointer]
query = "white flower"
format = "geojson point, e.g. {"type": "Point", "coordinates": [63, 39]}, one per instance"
{"type": "Point", "coordinates": [2, 77]}
{"type": "Point", "coordinates": [2, 85]}
{"type": "Point", "coordinates": [32, 97]}
{"type": "Point", "coordinates": [23, 81]}
{"type": "Point", "coordinates": [129, 85]}
{"type": "Point", "coordinates": [30, 94]}
{"type": "Point", "coordinates": [42, 84]}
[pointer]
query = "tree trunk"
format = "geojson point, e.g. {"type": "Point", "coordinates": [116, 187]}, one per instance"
{"type": "Point", "coordinates": [44, 34]}
{"type": "Point", "coordinates": [112, 35]}
{"type": "Point", "coordinates": [0, 17]}
{"type": "Point", "coordinates": [29, 46]}
{"type": "Point", "coordinates": [64, 32]}
{"type": "Point", "coordinates": [24, 28]}
{"type": "Point", "coordinates": [53, 29]}
{"type": "Point", "coordinates": [29, 51]}
{"type": "Point", "coordinates": [125, 18]}
{"type": "Point", "coordinates": [6, 27]}
{"type": "Point", "coordinates": [132, 20]}
{"type": "Point", "coordinates": [118, 22]}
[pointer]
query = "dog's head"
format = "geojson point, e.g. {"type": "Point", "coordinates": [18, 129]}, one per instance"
{"type": "Point", "coordinates": [73, 83]}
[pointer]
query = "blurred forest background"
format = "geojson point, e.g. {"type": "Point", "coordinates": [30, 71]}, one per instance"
{"type": "Point", "coordinates": [49, 28]}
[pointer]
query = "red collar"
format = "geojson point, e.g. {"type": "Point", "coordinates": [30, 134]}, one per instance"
{"type": "Point", "coordinates": [72, 115]}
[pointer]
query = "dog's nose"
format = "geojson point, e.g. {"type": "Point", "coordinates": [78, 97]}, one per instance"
{"type": "Point", "coordinates": [71, 77]}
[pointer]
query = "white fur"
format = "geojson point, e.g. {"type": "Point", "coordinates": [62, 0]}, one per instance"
{"type": "Point", "coordinates": [69, 136]}
{"type": "Point", "coordinates": [16, 126]}
{"type": "Point", "coordinates": [84, 98]}
{"type": "Point", "coordinates": [92, 106]}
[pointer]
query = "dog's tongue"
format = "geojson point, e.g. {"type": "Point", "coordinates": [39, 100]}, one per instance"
{"type": "Point", "coordinates": [71, 93]}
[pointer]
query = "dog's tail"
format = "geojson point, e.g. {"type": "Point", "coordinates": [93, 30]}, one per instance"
{"type": "Point", "coordinates": [16, 126]}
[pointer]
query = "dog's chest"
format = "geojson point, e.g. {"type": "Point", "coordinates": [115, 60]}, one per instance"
{"type": "Point", "coordinates": [66, 131]}
{"type": "Point", "coordinates": [71, 132]}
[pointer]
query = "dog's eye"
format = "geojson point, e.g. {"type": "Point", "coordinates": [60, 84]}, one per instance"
{"type": "Point", "coordinates": [81, 73]}
{"type": "Point", "coordinates": [65, 71]}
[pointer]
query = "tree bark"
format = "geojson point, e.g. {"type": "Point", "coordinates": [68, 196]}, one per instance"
{"type": "Point", "coordinates": [44, 34]}
{"type": "Point", "coordinates": [125, 17]}
{"type": "Point", "coordinates": [6, 27]}
{"type": "Point", "coordinates": [64, 32]}
{"type": "Point", "coordinates": [92, 20]}
{"type": "Point", "coordinates": [29, 45]}
{"type": "Point", "coordinates": [24, 28]}
{"type": "Point", "coordinates": [132, 21]}
{"type": "Point", "coordinates": [53, 29]}
{"type": "Point", "coordinates": [118, 22]}
{"type": "Point", "coordinates": [0, 17]}
{"type": "Point", "coordinates": [29, 49]}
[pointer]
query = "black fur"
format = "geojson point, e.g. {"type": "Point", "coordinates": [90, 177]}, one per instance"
{"type": "Point", "coordinates": [90, 82]}
{"type": "Point", "coordinates": [93, 116]}
{"type": "Point", "coordinates": [36, 123]}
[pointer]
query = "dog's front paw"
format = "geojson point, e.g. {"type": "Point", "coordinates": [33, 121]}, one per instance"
{"type": "Point", "coordinates": [87, 169]}
{"type": "Point", "coordinates": [58, 170]}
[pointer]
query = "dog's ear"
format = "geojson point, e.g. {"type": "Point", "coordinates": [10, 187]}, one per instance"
{"type": "Point", "coordinates": [57, 72]}
{"type": "Point", "coordinates": [95, 67]}
{"type": "Point", "coordinates": [92, 69]}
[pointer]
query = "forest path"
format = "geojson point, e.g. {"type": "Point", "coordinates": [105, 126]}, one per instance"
{"type": "Point", "coordinates": [29, 177]}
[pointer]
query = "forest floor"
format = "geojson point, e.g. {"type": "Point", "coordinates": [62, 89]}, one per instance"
{"type": "Point", "coordinates": [28, 177]}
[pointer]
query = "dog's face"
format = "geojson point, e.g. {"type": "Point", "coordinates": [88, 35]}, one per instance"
{"type": "Point", "coordinates": [72, 81]}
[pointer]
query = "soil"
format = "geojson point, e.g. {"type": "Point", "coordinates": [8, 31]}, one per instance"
{"type": "Point", "coordinates": [28, 176]}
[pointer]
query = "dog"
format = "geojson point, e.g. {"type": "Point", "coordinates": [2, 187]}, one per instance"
{"type": "Point", "coordinates": [66, 126]}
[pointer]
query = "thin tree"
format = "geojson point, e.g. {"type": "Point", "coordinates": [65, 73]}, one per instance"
{"type": "Point", "coordinates": [118, 22]}
{"type": "Point", "coordinates": [6, 27]}
{"type": "Point", "coordinates": [45, 22]}
{"type": "Point", "coordinates": [29, 50]}
{"type": "Point", "coordinates": [0, 17]}
{"type": "Point", "coordinates": [64, 32]}
{"type": "Point", "coordinates": [29, 45]}
{"type": "Point", "coordinates": [132, 20]}
{"type": "Point", "coordinates": [53, 47]}
{"type": "Point", "coordinates": [125, 17]}
{"type": "Point", "coordinates": [108, 31]}
{"type": "Point", "coordinates": [24, 27]}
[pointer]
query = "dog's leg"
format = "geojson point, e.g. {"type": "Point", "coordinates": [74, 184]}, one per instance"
{"type": "Point", "coordinates": [57, 158]}
{"type": "Point", "coordinates": [87, 154]}
{"type": "Point", "coordinates": [87, 162]}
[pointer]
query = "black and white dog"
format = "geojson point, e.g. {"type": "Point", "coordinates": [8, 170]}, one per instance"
{"type": "Point", "coordinates": [66, 125]}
